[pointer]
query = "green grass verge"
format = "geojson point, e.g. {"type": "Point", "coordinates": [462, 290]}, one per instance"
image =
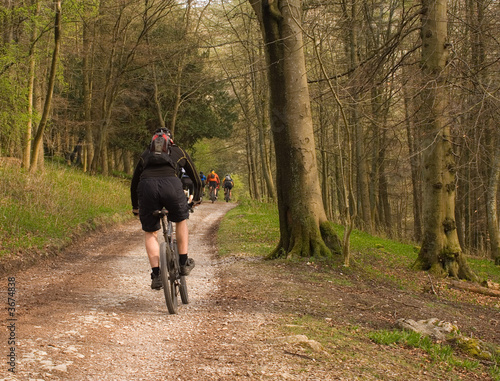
{"type": "Point", "coordinates": [252, 229]}
{"type": "Point", "coordinates": [48, 208]}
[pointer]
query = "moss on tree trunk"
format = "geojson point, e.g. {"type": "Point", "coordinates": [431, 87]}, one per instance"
{"type": "Point", "coordinates": [304, 229]}
{"type": "Point", "coordinates": [441, 252]}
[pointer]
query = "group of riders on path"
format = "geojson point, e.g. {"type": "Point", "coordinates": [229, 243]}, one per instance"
{"type": "Point", "coordinates": [214, 184]}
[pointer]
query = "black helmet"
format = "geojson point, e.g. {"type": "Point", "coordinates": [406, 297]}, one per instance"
{"type": "Point", "coordinates": [161, 140]}
{"type": "Point", "coordinates": [163, 130]}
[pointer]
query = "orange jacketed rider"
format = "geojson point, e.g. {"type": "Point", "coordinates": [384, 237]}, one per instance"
{"type": "Point", "coordinates": [213, 181]}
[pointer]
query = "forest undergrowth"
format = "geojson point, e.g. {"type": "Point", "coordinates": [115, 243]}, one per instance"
{"type": "Point", "coordinates": [353, 312]}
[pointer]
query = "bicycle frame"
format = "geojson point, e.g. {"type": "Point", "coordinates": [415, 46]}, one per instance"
{"type": "Point", "coordinates": [173, 282]}
{"type": "Point", "coordinates": [212, 193]}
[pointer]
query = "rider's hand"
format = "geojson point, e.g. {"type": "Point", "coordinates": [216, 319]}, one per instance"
{"type": "Point", "coordinates": [135, 212]}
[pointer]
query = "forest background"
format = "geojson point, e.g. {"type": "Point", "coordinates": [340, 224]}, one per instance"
{"type": "Point", "coordinates": [87, 83]}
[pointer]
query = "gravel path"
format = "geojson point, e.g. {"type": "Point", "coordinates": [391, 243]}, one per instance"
{"type": "Point", "coordinates": [91, 315]}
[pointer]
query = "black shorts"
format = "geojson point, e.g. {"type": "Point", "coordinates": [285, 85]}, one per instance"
{"type": "Point", "coordinates": [212, 184]}
{"type": "Point", "coordinates": [187, 184]}
{"type": "Point", "coordinates": [158, 192]}
{"type": "Point", "coordinates": [228, 185]}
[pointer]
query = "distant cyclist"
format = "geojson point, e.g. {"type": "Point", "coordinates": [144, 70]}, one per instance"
{"type": "Point", "coordinates": [228, 185]}
{"type": "Point", "coordinates": [187, 184]}
{"type": "Point", "coordinates": [213, 182]}
{"type": "Point", "coordinates": [203, 179]}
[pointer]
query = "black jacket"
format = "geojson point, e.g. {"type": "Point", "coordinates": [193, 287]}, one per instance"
{"type": "Point", "coordinates": [180, 159]}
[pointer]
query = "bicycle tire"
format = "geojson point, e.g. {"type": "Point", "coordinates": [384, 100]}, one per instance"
{"type": "Point", "coordinates": [166, 279]}
{"type": "Point", "coordinates": [183, 291]}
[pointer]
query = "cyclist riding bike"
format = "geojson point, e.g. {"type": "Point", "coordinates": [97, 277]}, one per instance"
{"type": "Point", "coordinates": [203, 179]}
{"type": "Point", "coordinates": [213, 182]}
{"type": "Point", "coordinates": [187, 185]}
{"type": "Point", "coordinates": [228, 185]}
{"type": "Point", "coordinates": [155, 185]}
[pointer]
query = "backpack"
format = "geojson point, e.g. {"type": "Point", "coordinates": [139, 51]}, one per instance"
{"type": "Point", "coordinates": [228, 178]}
{"type": "Point", "coordinates": [159, 151]}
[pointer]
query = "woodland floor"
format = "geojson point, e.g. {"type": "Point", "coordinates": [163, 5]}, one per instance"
{"type": "Point", "coordinates": [89, 314]}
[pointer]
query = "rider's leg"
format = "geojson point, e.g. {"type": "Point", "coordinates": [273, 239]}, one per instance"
{"type": "Point", "coordinates": [152, 248]}
{"type": "Point", "coordinates": [181, 233]}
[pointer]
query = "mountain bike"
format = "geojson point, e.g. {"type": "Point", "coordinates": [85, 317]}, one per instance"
{"type": "Point", "coordinates": [213, 197]}
{"type": "Point", "coordinates": [227, 194]}
{"type": "Point", "coordinates": [173, 282]}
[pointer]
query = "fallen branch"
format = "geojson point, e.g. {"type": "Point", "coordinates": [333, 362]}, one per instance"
{"type": "Point", "coordinates": [406, 304]}
{"type": "Point", "coordinates": [475, 288]}
{"type": "Point", "coordinates": [432, 285]}
{"type": "Point", "coordinates": [298, 355]}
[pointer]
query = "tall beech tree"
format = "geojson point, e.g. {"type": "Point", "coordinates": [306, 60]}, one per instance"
{"type": "Point", "coordinates": [37, 155]}
{"type": "Point", "coordinates": [304, 228]}
{"type": "Point", "coordinates": [441, 252]}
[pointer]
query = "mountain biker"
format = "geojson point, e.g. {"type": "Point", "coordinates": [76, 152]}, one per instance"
{"type": "Point", "coordinates": [203, 179]}
{"type": "Point", "coordinates": [213, 182]}
{"type": "Point", "coordinates": [228, 185]}
{"type": "Point", "coordinates": [155, 185]}
{"type": "Point", "coordinates": [187, 184]}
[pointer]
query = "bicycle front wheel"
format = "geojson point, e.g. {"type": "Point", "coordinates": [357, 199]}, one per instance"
{"type": "Point", "coordinates": [166, 266]}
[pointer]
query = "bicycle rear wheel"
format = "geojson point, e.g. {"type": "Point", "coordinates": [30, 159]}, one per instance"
{"type": "Point", "coordinates": [182, 279]}
{"type": "Point", "coordinates": [166, 266]}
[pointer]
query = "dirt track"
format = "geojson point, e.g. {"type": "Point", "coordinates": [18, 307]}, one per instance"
{"type": "Point", "coordinates": [91, 315]}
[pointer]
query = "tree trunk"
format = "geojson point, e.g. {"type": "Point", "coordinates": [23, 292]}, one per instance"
{"type": "Point", "coordinates": [343, 167]}
{"type": "Point", "coordinates": [414, 164]}
{"type": "Point", "coordinates": [260, 104]}
{"type": "Point", "coordinates": [31, 90]}
{"type": "Point", "coordinates": [304, 229]}
{"type": "Point", "coordinates": [363, 195]}
{"type": "Point", "coordinates": [252, 171]}
{"type": "Point", "coordinates": [38, 142]}
{"type": "Point", "coordinates": [88, 151]}
{"type": "Point", "coordinates": [491, 207]}
{"type": "Point", "coordinates": [323, 147]}
{"type": "Point", "coordinates": [441, 252]}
